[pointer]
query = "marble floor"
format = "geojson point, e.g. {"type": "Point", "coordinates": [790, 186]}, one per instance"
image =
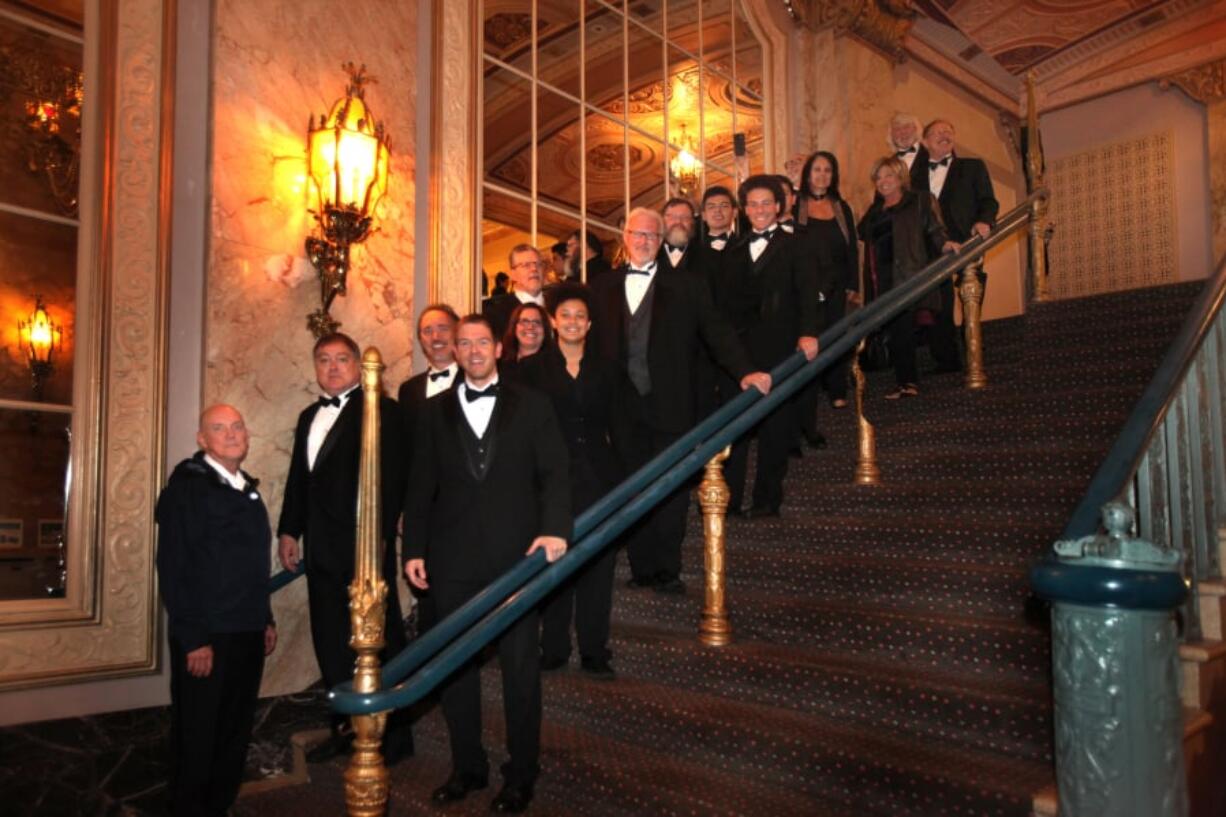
{"type": "Point", "coordinates": [116, 764]}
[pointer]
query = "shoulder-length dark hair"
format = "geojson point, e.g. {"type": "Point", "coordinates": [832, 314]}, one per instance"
{"type": "Point", "coordinates": [510, 343]}
{"type": "Point", "coordinates": [832, 191]}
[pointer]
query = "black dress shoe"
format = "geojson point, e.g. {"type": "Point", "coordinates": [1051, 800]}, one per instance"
{"type": "Point", "coordinates": [761, 511]}
{"type": "Point", "coordinates": [598, 668]}
{"type": "Point", "coordinates": [670, 584]}
{"type": "Point", "coordinates": [641, 581]}
{"type": "Point", "coordinates": [549, 663]}
{"type": "Point", "coordinates": [512, 799]}
{"type": "Point", "coordinates": [815, 439]}
{"type": "Point", "coordinates": [457, 788]}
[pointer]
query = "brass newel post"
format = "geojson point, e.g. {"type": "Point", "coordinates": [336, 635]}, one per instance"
{"type": "Point", "coordinates": [366, 777]}
{"type": "Point", "coordinates": [867, 472]}
{"type": "Point", "coordinates": [714, 630]}
{"type": "Point", "coordinates": [1038, 210]}
{"type": "Point", "coordinates": [970, 290]}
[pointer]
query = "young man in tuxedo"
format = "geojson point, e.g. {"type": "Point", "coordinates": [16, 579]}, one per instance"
{"type": "Point", "coordinates": [770, 294]}
{"type": "Point", "coordinates": [320, 507]}
{"type": "Point", "coordinates": [718, 216]}
{"type": "Point", "coordinates": [489, 484]}
{"type": "Point", "coordinates": [963, 189]}
{"type": "Point", "coordinates": [528, 276]}
{"type": "Point", "coordinates": [436, 333]}
{"type": "Point", "coordinates": [655, 325]}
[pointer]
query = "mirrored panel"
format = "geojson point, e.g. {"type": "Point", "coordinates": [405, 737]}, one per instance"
{"type": "Point", "coordinates": [604, 55]}
{"type": "Point", "coordinates": [34, 471]}
{"type": "Point", "coordinates": [606, 168]}
{"type": "Point", "coordinates": [717, 35]}
{"type": "Point", "coordinates": [558, 150]}
{"type": "Point", "coordinates": [647, 13]}
{"type": "Point", "coordinates": [554, 229]}
{"type": "Point", "coordinates": [683, 25]}
{"type": "Point", "coordinates": [506, 221]}
{"type": "Point", "coordinates": [506, 29]}
{"type": "Point", "coordinates": [507, 129]}
{"type": "Point", "coordinates": [557, 43]}
{"type": "Point", "coordinates": [748, 63]}
{"type": "Point", "coordinates": [643, 108]}
{"type": "Point", "coordinates": [648, 165]}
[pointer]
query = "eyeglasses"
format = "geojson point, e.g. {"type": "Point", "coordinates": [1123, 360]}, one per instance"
{"type": "Point", "coordinates": [642, 235]}
{"type": "Point", "coordinates": [530, 322]}
{"type": "Point", "coordinates": [525, 264]}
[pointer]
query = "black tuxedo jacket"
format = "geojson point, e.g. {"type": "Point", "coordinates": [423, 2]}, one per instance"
{"type": "Point", "coordinates": [683, 318]}
{"type": "Point", "coordinates": [786, 293]}
{"type": "Point", "coordinates": [498, 309]}
{"type": "Point", "coordinates": [966, 198]}
{"type": "Point", "coordinates": [472, 530]}
{"type": "Point", "coordinates": [919, 169]}
{"type": "Point", "coordinates": [320, 505]}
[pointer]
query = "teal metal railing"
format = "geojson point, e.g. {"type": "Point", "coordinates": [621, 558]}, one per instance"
{"type": "Point", "coordinates": [431, 658]}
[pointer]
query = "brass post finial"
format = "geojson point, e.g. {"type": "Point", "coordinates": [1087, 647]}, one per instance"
{"type": "Point", "coordinates": [366, 778]}
{"type": "Point", "coordinates": [867, 472]}
{"type": "Point", "coordinates": [970, 290]}
{"type": "Point", "coordinates": [713, 495]}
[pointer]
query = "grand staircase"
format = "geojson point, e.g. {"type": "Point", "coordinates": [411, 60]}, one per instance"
{"type": "Point", "coordinates": [887, 659]}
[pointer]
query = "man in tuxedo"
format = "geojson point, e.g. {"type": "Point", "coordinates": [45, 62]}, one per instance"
{"type": "Point", "coordinates": [489, 484]}
{"type": "Point", "coordinates": [903, 137]}
{"type": "Point", "coordinates": [655, 325]}
{"type": "Point", "coordinates": [718, 215]}
{"type": "Point", "coordinates": [528, 277]}
{"type": "Point", "coordinates": [968, 203]}
{"type": "Point", "coordinates": [677, 251]}
{"type": "Point", "coordinates": [436, 333]}
{"type": "Point", "coordinates": [770, 294]}
{"type": "Point", "coordinates": [320, 507]}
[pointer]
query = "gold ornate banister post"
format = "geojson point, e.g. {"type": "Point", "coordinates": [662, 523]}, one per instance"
{"type": "Point", "coordinates": [867, 472]}
{"type": "Point", "coordinates": [970, 291]}
{"type": "Point", "coordinates": [1038, 210]}
{"type": "Point", "coordinates": [713, 495]}
{"type": "Point", "coordinates": [366, 777]}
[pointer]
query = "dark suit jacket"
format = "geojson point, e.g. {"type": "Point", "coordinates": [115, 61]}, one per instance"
{"type": "Point", "coordinates": [320, 505]}
{"type": "Point", "coordinates": [472, 530]}
{"type": "Point", "coordinates": [919, 169]}
{"type": "Point", "coordinates": [683, 319]}
{"type": "Point", "coordinates": [498, 310]}
{"type": "Point", "coordinates": [774, 300]}
{"type": "Point", "coordinates": [966, 197]}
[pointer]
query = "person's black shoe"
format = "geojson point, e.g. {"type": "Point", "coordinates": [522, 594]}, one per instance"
{"type": "Point", "coordinates": [598, 668]}
{"type": "Point", "coordinates": [669, 584]}
{"type": "Point", "coordinates": [335, 745]}
{"type": "Point", "coordinates": [761, 511]}
{"type": "Point", "coordinates": [549, 663]}
{"type": "Point", "coordinates": [457, 788]}
{"type": "Point", "coordinates": [641, 581]}
{"type": "Point", "coordinates": [512, 799]}
{"type": "Point", "coordinates": [815, 439]}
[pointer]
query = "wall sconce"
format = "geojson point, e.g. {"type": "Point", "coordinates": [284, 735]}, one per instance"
{"type": "Point", "coordinates": [685, 166]}
{"type": "Point", "coordinates": [40, 338]}
{"type": "Point", "coordinates": [347, 163]}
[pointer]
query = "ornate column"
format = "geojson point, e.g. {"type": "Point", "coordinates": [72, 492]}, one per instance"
{"type": "Point", "coordinates": [1207, 84]}
{"type": "Point", "coordinates": [970, 290]}
{"type": "Point", "coordinates": [366, 777]}
{"type": "Point", "coordinates": [713, 495]}
{"type": "Point", "coordinates": [867, 472]}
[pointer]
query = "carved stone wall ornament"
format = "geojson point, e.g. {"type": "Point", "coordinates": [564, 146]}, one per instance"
{"type": "Point", "coordinates": [1204, 83]}
{"type": "Point", "coordinates": [881, 23]}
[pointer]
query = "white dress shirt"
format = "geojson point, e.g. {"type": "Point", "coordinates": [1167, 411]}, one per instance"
{"type": "Point", "coordinates": [674, 255]}
{"type": "Point", "coordinates": [936, 177]}
{"type": "Point", "coordinates": [525, 298]}
{"type": "Point", "coordinates": [909, 155]}
{"type": "Point", "coordinates": [237, 481]}
{"type": "Point", "coordinates": [719, 242]}
{"type": "Point", "coordinates": [637, 285]}
{"type": "Point", "coordinates": [437, 385]}
{"type": "Point", "coordinates": [477, 412]}
{"type": "Point", "coordinates": [757, 244]}
{"type": "Point", "coordinates": [321, 424]}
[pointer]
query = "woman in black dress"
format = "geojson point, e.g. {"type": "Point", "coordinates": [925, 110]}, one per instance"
{"type": "Point", "coordinates": [830, 229]}
{"type": "Point", "coordinates": [587, 392]}
{"type": "Point", "coordinates": [902, 233]}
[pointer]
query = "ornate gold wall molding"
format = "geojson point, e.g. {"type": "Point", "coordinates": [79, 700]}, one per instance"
{"type": "Point", "coordinates": [107, 624]}
{"type": "Point", "coordinates": [1204, 83]}
{"type": "Point", "coordinates": [882, 24]}
{"type": "Point", "coordinates": [453, 158]}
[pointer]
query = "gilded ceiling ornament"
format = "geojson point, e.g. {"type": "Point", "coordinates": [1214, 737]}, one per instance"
{"type": "Point", "coordinates": [505, 30]}
{"type": "Point", "coordinates": [881, 23]}
{"type": "Point", "coordinates": [1204, 83]}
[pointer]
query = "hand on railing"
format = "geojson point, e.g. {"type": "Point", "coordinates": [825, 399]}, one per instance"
{"type": "Point", "coordinates": [287, 550]}
{"type": "Point", "coordinates": [809, 345]}
{"type": "Point", "coordinates": [554, 547]}
{"type": "Point", "coordinates": [759, 380]}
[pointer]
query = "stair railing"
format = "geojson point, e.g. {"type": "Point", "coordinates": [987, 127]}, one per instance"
{"type": "Point", "coordinates": [1161, 492]}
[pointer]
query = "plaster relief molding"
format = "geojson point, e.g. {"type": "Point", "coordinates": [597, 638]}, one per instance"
{"type": "Point", "coordinates": [882, 24]}
{"type": "Point", "coordinates": [942, 64]}
{"type": "Point", "coordinates": [1204, 83]}
{"type": "Point", "coordinates": [453, 175]}
{"type": "Point", "coordinates": [115, 633]}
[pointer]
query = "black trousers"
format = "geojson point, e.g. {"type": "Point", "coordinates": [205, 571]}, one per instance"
{"type": "Point", "coordinates": [654, 543]}
{"type": "Point", "coordinates": [942, 337]}
{"type": "Point", "coordinates": [589, 597]}
{"type": "Point", "coordinates": [901, 340]}
{"type": "Point", "coordinates": [519, 660]}
{"type": "Point", "coordinates": [776, 434]}
{"type": "Point", "coordinates": [211, 720]}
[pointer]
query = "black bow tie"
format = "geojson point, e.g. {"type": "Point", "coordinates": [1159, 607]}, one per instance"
{"type": "Point", "coordinates": [489, 391]}
{"type": "Point", "coordinates": [670, 248]}
{"type": "Point", "coordinates": [902, 153]}
{"type": "Point", "coordinates": [765, 235]}
{"type": "Point", "coordinates": [943, 163]}
{"type": "Point", "coordinates": [719, 237]}
{"type": "Point", "coordinates": [436, 375]}
{"type": "Point", "coordinates": [648, 270]}
{"type": "Point", "coordinates": [335, 402]}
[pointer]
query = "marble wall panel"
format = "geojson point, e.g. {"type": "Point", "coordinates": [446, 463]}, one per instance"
{"type": "Point", "coordinates": [274, 64]}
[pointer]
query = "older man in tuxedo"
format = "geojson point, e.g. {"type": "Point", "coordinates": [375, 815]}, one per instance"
{"type": "Point", "coordinates": [489, 484]}
{"type": "Point", "coordinates": [655, 325]}
{"type": "Point", "coordinates": [528, 276]}
{"type": "Point", "coordinates": [320, 507]}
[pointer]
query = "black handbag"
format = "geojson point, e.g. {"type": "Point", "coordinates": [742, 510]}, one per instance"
{"type": "Point", "coordinates": [876, 353]}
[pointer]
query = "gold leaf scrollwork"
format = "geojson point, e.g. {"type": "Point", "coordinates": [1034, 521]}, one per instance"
{"type": "Point", "coordinates": [882, 24]}
{"type": "Point", "coordinates": [1204, 83]}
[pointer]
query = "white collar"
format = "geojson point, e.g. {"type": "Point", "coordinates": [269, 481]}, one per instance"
{"type": "Point", "coordinates": [236, 481]}
{"type": "Point", "coordinates": [491, 382]}
{"type": "Point", "coordinates": [451, 370]}
{"type": "Point", "coordinates": [525, 298]}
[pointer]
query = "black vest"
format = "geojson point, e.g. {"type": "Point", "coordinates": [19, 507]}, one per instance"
{"type": "Point", "coordinates": [478, 451]}
{"type": "Point", "coordinates": [638, 335]}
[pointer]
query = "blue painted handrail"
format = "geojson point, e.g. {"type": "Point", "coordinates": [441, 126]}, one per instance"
{"type": "Point", "coordinates": [437, 654]}
{"type": "Point", "coordinates": [1122, 461]}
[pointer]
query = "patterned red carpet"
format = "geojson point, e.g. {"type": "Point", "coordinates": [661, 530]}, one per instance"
{"type": "Point", "coordinates": [884, 660]}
